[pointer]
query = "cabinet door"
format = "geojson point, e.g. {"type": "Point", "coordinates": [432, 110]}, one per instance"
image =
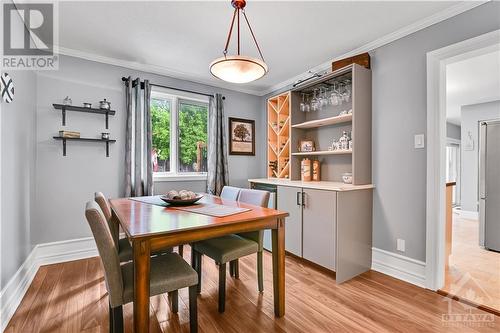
{"type": "Point", "coordinates": [319, 227]}
{"type": "Point", "coordinates": [287, 201]}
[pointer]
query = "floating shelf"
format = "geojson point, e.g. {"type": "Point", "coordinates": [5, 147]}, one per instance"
{"type": "Point", "coordinates": [325, 122]}
{"type": "Point", "coordinates": [65, 108]}
{"type": "Point", "coordinates": [323, 152]}
{"type": "Point", "coordinates": [107, 141]}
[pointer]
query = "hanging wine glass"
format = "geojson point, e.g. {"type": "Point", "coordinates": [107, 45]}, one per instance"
{"type": "Point", "coordinates": [346, 96]}
{"type": "Point", "coordinates": [334, 96]}
{"type": "Point", "coordinates": [323, 98]}
{"type": "Point", "coordinates": [304, 106]}
{"type": "Point", "coordinates": [315, 103]}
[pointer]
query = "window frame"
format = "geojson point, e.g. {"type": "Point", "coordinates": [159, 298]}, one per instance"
{"type": "Point", "coordinates": [175, 101]}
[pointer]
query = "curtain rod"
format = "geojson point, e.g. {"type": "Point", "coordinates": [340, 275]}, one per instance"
{"type": "Point", "coordinates": [172, 88]}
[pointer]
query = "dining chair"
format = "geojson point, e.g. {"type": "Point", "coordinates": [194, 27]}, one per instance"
{"type": "Point", "coordinates": [230, 193]}
{"type": "Point", "coordinates": [125, 252]}
{"type": "Point", "coordinates": [230, 248]}
{"type": "Point", "coordinates": [169, 273]}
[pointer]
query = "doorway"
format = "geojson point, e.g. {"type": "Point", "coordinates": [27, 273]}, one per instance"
{"type": "Point", "coordinates": [446, 161]}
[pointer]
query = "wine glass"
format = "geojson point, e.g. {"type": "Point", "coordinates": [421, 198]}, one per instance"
{"type": "Point", "coordinates": [323, 98]}
{"type": "Point", "coordinates": [304, 106]}
{"type": "Point", "coordinates": [334, 96]}
{"type": "Point", "coordinates": [346, 96]}
{"type": "Point", "coordinates": [315, 102]}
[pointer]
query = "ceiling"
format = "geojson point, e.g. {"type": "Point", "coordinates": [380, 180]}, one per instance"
{"type": "Point", "coordinates": [181, 38]}
{"type": "Point", "coordinates": [471, 81]}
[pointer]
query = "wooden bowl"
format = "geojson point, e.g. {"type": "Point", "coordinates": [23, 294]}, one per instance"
{"type": "Point", "coordinates": [181, 202]}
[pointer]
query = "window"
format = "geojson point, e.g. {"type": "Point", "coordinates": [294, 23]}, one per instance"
{"type": "Point", "coordinates": [179, 136]}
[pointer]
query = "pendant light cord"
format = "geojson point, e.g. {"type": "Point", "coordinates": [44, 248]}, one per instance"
{"type": "Point", "coordinates": [237, 12]}
{"type": "Point", "coordinates": [253, 36]}
{"type": "Point", "coordinates": [230, 32]}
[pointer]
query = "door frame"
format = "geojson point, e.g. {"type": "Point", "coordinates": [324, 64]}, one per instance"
{"type": "Point", "coordinates": [436, 139]}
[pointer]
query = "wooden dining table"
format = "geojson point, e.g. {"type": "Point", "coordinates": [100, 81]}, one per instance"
{"type": "Point", "coordinates": [151, 227]}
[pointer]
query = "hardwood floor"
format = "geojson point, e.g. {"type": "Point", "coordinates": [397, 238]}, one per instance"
{"type": "Point", "coordinates": [474, 273]}
{"type": "Point", "coordinates": [71, 297]}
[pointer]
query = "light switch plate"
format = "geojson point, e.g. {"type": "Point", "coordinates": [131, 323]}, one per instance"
{"type": "Point", "coordinates": [419, 141]}
{"type": "Point", "coordinates": [400, 246]}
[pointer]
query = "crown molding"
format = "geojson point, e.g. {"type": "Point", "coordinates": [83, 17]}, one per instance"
{"type": "Point", "coordinates": [389, 38]}
{"type": "Point", "coordinates": [153, 69]}
{"type": "Point", "coordinates": [161, 70]}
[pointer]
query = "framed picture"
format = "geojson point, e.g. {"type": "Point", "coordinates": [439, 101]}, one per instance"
{"type": "Point", "coordinates": [306, 145]}
{"type": "Point", "coordinates": [241, 136]}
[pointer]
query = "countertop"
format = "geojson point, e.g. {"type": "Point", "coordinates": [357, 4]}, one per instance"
{"type": "Point", "coordinates": [321, 185]}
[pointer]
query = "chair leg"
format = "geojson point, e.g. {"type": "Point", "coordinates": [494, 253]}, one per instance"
{"type": "Point", "coordinates": [181, 250]}
{"type": "Point", "coordinates": [116, 319]}
{"type": "Point", "coordinates": [222, 287]}
{"type": "Point", "coordinates": [236, 269]}
{"type": "Point", "coordinates": [173, 298]}
{"type": "Point", "coordinates": [260, 271]}
{"type": "Point", "coordinates": [193, 258]}
{"type": "Point", "coordinates": [231, 268]}
{"type": "Point", "coordinates": [193, 309]}
{"type": "Point", "coordinates": [199, 267]}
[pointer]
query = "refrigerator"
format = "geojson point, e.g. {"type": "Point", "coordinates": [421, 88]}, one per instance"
{"type": "Point", "coordinates": [489, 185]}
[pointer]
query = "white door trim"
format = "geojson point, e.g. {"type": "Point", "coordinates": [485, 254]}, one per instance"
{"type": "Point", "coordinates": [436, 136]}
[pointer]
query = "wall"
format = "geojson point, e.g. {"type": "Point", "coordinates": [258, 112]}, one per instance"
{"type": "Point", "coordinates": [64, 184]}
{"type": "Point", "coordinates": [471, 115]}
{"type": "Point", "coordinates": [453, 131]}
{"type": "Point", "coordinates": [399, 112]}
{"type": "Point", "coordinates": [17, 178]}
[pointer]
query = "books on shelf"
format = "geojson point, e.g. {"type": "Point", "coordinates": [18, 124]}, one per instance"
{"type": "Point", "coordinates": [69, 134]}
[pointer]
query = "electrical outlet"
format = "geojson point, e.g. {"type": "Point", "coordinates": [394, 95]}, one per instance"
{"type": "Point", "coordinates": [419, 141]}
{"type": "Point", "coordinates": [400, 244]}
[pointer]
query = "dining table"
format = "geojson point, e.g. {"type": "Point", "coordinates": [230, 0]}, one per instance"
{"type": "Point", "coordinates": [151, 227]}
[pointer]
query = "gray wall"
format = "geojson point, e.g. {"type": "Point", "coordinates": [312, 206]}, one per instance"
{"type": "Point", "coordinates": [453, 131]}
{"type": "Point", "coordinates": [65, 183]}
{"type": "Point", "coordinates": [399, 112]}
{"type": "Point", "coordinates": [17, 183]}
{"type": "Point", "coordinates": [471, 116]}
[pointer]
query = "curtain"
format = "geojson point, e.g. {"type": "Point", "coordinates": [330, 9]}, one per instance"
{"type": "Point", "coordinates": [217, 147]}
{"type": "Point", "coordinates": [138, 165]}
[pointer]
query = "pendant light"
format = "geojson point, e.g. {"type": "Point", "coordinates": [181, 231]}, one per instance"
{"type": "Point", "coordinates": [238, 68]}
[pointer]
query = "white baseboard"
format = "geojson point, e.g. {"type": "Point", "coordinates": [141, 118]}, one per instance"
{"type": "Point", "coordinates": [399, 267]}
{"type": "Point", "coordinates": [43, 254]}
{"type": "Point", "coordinates": [469, 214]}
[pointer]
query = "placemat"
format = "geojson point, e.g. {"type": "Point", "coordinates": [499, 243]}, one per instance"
{"type": "Point", "coordinates": [212, 209]}
{"type": "Point", "coordinates": [152, 200]}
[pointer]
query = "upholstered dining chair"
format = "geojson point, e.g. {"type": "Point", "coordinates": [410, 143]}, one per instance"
{"type": "Point", "coordinates": [169, 273]}
{"type": "Point", "coordinates": [125, 252]}
{"type": "Point", "coordinates": [230, 248]}
{"type": "Point", "coordinates": [230, 193]}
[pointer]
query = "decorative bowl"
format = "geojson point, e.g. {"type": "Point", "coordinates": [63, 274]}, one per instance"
{"type": "Point", "coordinates": [181, 202]}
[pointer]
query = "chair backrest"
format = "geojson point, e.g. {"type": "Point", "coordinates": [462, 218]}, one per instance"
{"type": "Point", "coordinates": [108, 253]}
{"type": "Point", "coordinates": [230, 193]}
{"type": "Point", "coordinates": [254, 197]}
{"type": "Point", "coordinates": [103, 202]}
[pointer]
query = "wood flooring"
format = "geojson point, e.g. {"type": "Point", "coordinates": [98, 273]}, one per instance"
{"type": "Point", "coordinates": [474, 273]}
{"type": "Point", "coordinates": [71, 297]}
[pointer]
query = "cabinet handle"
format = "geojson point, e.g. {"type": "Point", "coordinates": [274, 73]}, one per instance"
{"type": "Point", "coordinates": [298, 199]}
{"type": "Point", "coordinates": [303, 199]}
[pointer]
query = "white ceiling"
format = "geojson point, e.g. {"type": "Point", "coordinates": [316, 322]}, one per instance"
{"type": "Point", "coordinates": [471, 81]}
{"type": "Point", "coordinates": [181, 38]}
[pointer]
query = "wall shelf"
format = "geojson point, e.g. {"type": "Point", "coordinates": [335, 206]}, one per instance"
{"type": "Point", "coordinates": [65, 108]}
{"type": "Point", "coordinates": [63, 139]}
{"type": "Point", "coordinates": [324, 122]}
{"type": "Point", "coordinates": [323, 152]}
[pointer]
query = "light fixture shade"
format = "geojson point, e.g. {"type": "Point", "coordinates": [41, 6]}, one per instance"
{"type": "Point", "coordinates": [238, 69]}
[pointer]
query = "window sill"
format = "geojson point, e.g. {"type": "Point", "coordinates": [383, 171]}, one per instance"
{"type": "Point", "coordinates": [179, 178]}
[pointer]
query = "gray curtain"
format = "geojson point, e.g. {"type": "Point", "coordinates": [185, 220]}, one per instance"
{"type": "Point", "coordinates": [138, 165]}
{"type": "Point", "coordinates": [217, 147]}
